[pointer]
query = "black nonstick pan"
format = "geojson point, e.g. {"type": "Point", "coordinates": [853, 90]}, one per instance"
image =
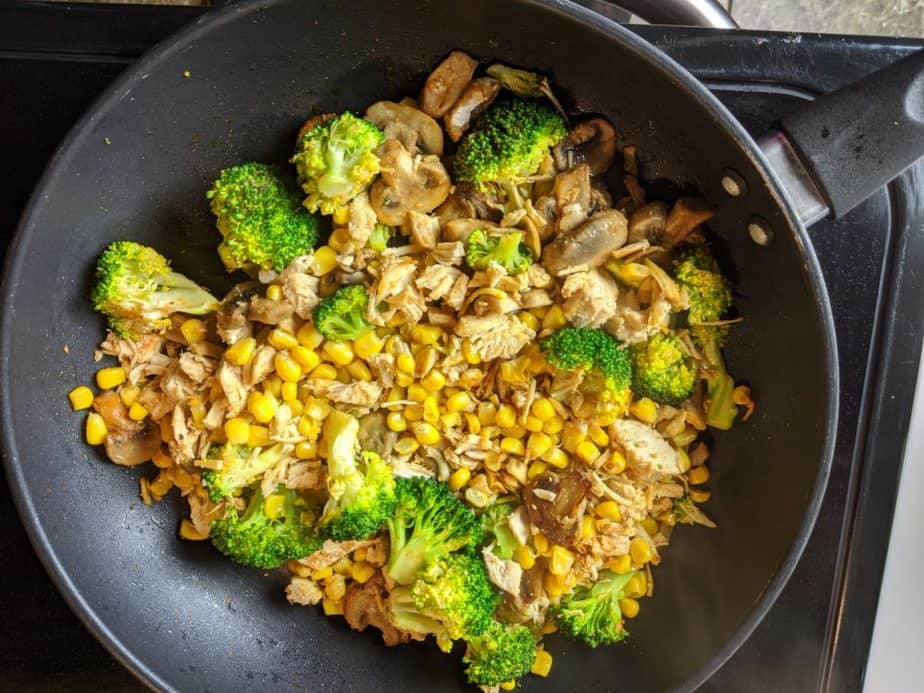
{"type": "Point", "coordinates": [137, 165]}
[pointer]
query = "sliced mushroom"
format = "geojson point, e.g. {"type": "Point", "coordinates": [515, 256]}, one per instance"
{"type": "Point", "coordinates": [269, 312]}
{"type": "Point", "coordinates": [407, 183]}
{"type": "Point", "coordinates": [446, 83]}
{"type": "Point", "coordinates": [556, 504]}
{"type": "Point", "coordinates": [589, 244]}
{"type": "Point", "coordinates": [133, 447]}
{"type": "Point", "coordinates": [592, 142]}
{"type": "Point", "coordinates": [684, 218]}
{"type": "Point", "coordinates": [460, 229]}
{"type": "Point", "coordinates": [313, 122]}
{"type": "Point", "coordinates": [572, 197]}
{"type": "Point", "coordinates": [486, 202]}
{"type": "Point", "coordinates": [109, 405]}
{"type": "Point", "coordinates": [456, 206]}
{"type": "Point", "coordinates": [409, 125]}
{"type": "Point", "coordinates": [600, 198]}
{"type": "Point", "coordinates": [648, 223]}
{"type": "Point", "coordinates": [478, 95]}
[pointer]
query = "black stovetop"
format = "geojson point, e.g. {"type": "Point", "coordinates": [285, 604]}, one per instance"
{"type": "Point", "coordinates": [54, 59]}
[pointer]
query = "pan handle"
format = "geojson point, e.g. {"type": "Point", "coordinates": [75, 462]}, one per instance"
{"type": "Point", "coordinates": [854, 140]}
{"type": "Point", "coordinates": [706, 13]}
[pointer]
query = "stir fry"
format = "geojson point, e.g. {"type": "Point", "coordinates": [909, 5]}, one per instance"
{"type": "Point", "coordinates": [460, 393]}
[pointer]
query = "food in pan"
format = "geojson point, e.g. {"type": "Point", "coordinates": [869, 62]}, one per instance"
{"type": "Point", "coordinates": [463, 392]}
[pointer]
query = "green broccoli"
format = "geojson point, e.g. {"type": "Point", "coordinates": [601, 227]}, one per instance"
{"type": "Point", "coordinates": [361, 486]}
{"type": "Point", "coordinates": [606, 364]}
{"type": "Point", "coordinates": [710, 298]}
{"type": "Point", "coordinates": [381, 237]}
{"type": "Point", "coordinates": [686, 512]}
{"type": "Point", "coordinates": [240, 467]}
{"type": "Point", "coordinates": [502, 653]}
{"type": "Point", "coordinates": [429, 522]}
{"type": "Point", "coordinates": [336, 161]}
{"type": "Point", "coordinates": [270, 532]}
{"type": "Point", "coordinates": [663, 370]}
{"type": "Point", "coordinates": [497, 532]}
{"type": "Point", "coordinates": [341, 316]}
{"type": "Point", "coordinates": [451, 599]}
{"type": "Point", "coordinates": [509, 142]}
{"type": "Point", "coordinates": [592, 614]}
{"type": "Point", "coordinates": [261, 219]}
{"type": "Point", "coordinates": [138, 292]}
{"type": "Point", "coordinates": [507, 250]}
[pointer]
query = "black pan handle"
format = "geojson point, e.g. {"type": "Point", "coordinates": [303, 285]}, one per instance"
{"type": "Point", "coordinates": [858, 138]}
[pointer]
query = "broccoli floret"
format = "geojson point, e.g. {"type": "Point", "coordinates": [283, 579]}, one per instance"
{"type": "Point", "coordinates": [360, 484]}
{"type": "Point", "coordinates": [341, 316]}
{"type": "Point", "coordinates": [502, 653]}
{"type": "Point", "coordinates": [497, 532]}
{"type": "Point", "coordinates": [137, 291]}
{"type": "Point", "coordinates": [336, 161]}
{"type": "Point", "coordinates": [429, 522]}
{"type": "Point", "coordinates": [380, 237]}
{"type": "Point", "coordinates": [710, 298]}
{"type": "Point", "coordinates": [451, 599]}
{"type": "Point", "coordinates": [592, 614]}
{"type": "Point", "coordinates": [606, 364]}
{"type": "Point", "coordinates": [509, 142]}
{"type": "Point", "coordinates": [270, 532]}
{"type": "Point", "coordinates": [686, 512]}
{"type": "Point", "coordinates": [261, 219]}
{"type": "Point", "coordinates": [240, 467]}
{"type": "Point", "coordinates": [507, 250]}
{"type": "Point", "coordinates": [663, 370]}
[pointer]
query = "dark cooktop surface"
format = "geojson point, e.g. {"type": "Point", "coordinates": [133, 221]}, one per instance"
{"type": "Point", "coordinates": [54, 59]}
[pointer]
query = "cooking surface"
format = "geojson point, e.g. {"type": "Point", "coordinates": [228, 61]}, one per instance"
{"type": "Point", "coordinates": [818, 633]}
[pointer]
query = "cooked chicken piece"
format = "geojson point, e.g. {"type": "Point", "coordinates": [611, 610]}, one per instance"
{"type": "Point", "coordinates": [303, 591]}
{"type": "Point", "coordinates": [591, 298]}
{"type": "Point", "coordinates": [446, 83]}
{"type": "Point", "coordinates": [231, 317]}
{"type": "Point", "coordinates": [407, 183]}
{"type": "Point", "coordinates": [366, 604]}
{"type": "Point", "coordinates": [395, 288]}
{"type": "Point", "coordinates": [300, 288]}
{"type": "Point", "coordinates": [589, 244]}
{"type": "Point", "coordinates": [377, 552]}
{"type": "Point", "coordinates": [424, 229]}
{"type": "Point", "coordinates": [456, 296]}
{"type": "Point", "coordinates": [460, 229]}
{"type": "Point", "coordinates": [185, 442]}
{"type": "Point", "coordinates": [356, 393]}
{"type": "Point", "coordinates": [495, 336]}
{"type": "Point", "coordinates": [438, 281]}
{"type": "Point", "coordinates": [177, 384]}
{"type": "Point", "coordinates": [260, 366]}
{"type": "Point", "coordinates": [383, 369]}
{"type": "Point", "coordinates": [535, 298]}
{"type": "Point", "coordinates": [592, 142]}
{"type": "Point", "coordinates": [362, 220]}
{"type": "Point", "coordinates": [201, 512]}
{"type": "Point", "coordinates": [478, 95]}
{"type": "Point", "coordinates": [156, 401]}
{"type": "Point", "coordinates": [646, 450]}
{"type": "Point", "coordinates": [449, 253]}
{"type": "Point", "coordinates": [631, 324]}
{"type": "Point", "coordinates": [197, 368]}
{"type": "Point", "coordinates": [141, 359]}
{"type": "Point", "coordinates": [417, 131]}
{"type": "Point", "coordinates": [216, 414]}
{"type": "Point", "coordinates": [268, 311]}
{"type": "Point", "coordinates": [572, 197]}
{"type": "Point", "coordinates": [506, 575]}
{"type": "Point", "coordinates": [520, 524]}
{"type": "Point", "coordinates": [232, 384]}
{"type": "Point", "coordinates": [275, 477]}
{"type": "Point", "coordinates": [332, 551]}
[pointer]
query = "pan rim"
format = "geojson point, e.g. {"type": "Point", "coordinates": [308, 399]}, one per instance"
{"type": "Point", "coordinates": [212, 21]}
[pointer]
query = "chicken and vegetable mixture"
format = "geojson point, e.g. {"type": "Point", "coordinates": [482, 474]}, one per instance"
{"type": "Point", "coordinates": [469, 407]}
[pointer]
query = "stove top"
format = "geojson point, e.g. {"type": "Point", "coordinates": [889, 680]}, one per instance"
{"type": "Point", "coordinates": [54, 59]}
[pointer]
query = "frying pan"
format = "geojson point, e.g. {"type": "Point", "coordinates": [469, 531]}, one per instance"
{"type": "Point", "coordinates": [136, 166]}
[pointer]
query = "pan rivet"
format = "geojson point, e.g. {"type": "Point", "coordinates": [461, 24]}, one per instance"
{"type": "Point", "coordinates": [759, 231]}
{"type": "Point", "coordinates": [733, 183]}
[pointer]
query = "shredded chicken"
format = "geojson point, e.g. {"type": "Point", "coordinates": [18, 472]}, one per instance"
{"type": "Point", "coordinates": [590, 298]}
{"type": "Point", "coordinates": [495, 336]}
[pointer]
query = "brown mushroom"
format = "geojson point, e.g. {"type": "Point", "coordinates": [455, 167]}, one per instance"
{"type": "Point", "coordinates": [407, 183]}
{"type": "Point", "coordinates": [268, 311]}
{"type": "Point", "coordinates": [366, 605]}
{"type": "Point", "coordinates": [556, 503]}
{"type": "Point", "coordinates": [131, 447]}
{"type": "Point", "coordinates": [456, 206]}
{"type": "Point", "coordinates": [685, 217]}
{"type": "Point", "coordinates": [590, 244]}
{"type": "Point", "coordinates": [411, 126]}
{"type": "Point", "coordinates": [592, 142]}
{"type": "Point", "coordinates": [572, 197]}
{"type": "Point", "coordinates": [460, 229]}
{"type": "Point", "coordinates": [648, 223]}
{"type": "Point", "coordinates": [446, 83]}
{"type": "Point", "coordinates": [478, 95]}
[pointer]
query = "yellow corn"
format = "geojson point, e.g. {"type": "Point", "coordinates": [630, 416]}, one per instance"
{"type": "Point", "coordinates": [640, 551]}
{"type": "Point", "coordinates": [616, 464]}
{"type": "Point", "coordinates": [645, 410]}
{"type": "Point", "coordinates": [362, 572]}
{"type": "Point", "coordinates": [459, 401]}
{"type": "Point", "coordinates": [683, 460]}
{"type": "Point", "coordinates": [344, 566]}
{"type": "Point", "coordinates": [259, 436]}
{"type": "Point", "coordinates": [530, 320]}
{"type": "Point", "coordinates": [459, 478]}
{"type": "Point", "coordinates": [549, 627]}
{"type": "Point", "coordinates": [287, 368]}
{"type": "Point", "coordinates": [543, 409]}
{"type": "Point", "coordinates": [332, 608]}
{"type": "Point", "coordinates": [629, 607]}
{"type": "Point", "coordinates": [598, 436]}
{"type": "Point", "coordinates": [699, 495]}
{"type": "Point", "coordinates": [263, 408]}
{"type": "Point", "coordinates": [587, 451]}
{"type": "Point", "coordinates": [189, 532]}
{"type": "Point", "coordinates": [405, 364]}
{"type": "Point", "coordinates": [271, 385]}
{"type": "Point", "coordinates": [571, 437]}
{"type": "Point", "coordinates": [698, 475]}
{"type": "Point", "coordinates": [274, 292]}
{"type": "Point", "coordinates": [431, 409]}
{"type": "Point", "coordinates": [128, 394]}
{"type": "Point", "coordinates": [396, 421]}
{"type": "Point", "coordinates": [136, 412]}
{"type": "Point", "coordinates": [110, 377]}
{"type": "Point", "coordinates": [161, 484]}
{"type": "Point", "coordinates": [426, 334]}
{"type": "Point", "coordinates": [325, 260]}
{"type": "Point", "coordinates": [560, 561]}
{"type": "Point", "coordinates": [512, 446]}
{"type": "Point", "coordinates": [296, 406]}
{"type": "Point", "coordinates": [241, 351]}
{"type": "Point", "coordinates": [554, 319]}
{"type": "Point", "coordinates": [538, 444]}
{"type": "Point", "coordinates": [554, 425]}
{"type": "Point", "coordinates": [368, 345]}
{"type": "Point", "coordinates": [620, 565]}
{"type": "Point", "coordinates": [81, 397]}
{"type": "Point", "coordinates": [338, 238]}
{"type": "Point", "coordinates": [524, 556]}
{"type": "Point", "coordinates": [359, 371]}
{"type": "Point", "coordinates": [636, 586]}
{"type": "Point", "coordinates": [487, 413]}
{"type": "Point", "coordinates": [588, 527]}
{"type": "Point", "coordinates": [535, 469]}
{"type": "Point", "coordinates": [650, 525]}
{"type": "Point", "coordinates": [325, 371]}
{"type": "Point", "coordinates": [282, 339]}
{"type": "Point", "coordinates": [406, 446]}
{"type": "Point", "coordinates": [556, 457]}
{"type": "Point", "coordinates": [288, 392]}
{"type": "Point", "coordinates": [532, 424]}
{"type": "Point", "coordinates": [434, 381]}
{"type": "Point", "coordinates": [341, 215]}
{"type": "Point", "coordinates": [193, 330]}
{"type": "Point", "coordinates": [506, 416]}
{"type": "Point", "coordinates": [543, 664]}
{"type": "Point", "coordinates": [414, 412]}
{"type": "Point", "coordinates": [451, 419]}
{"type": "Point", "coordinates": [308, 336]}
{"type": "Point", "coordinates": [341, 353]}
{"type": "Point", "coordinates": [306, 450]}
{"type": "Point", "coordinates": [425, 433]}
{"type": "Point", "coordinates": [472, 423]}
{"type": "Point", "coordinates": [609, 510]}
{"type": "Point", "coordinates": [96, 430]}
{"type": "Point", "coordinates": [472, 357]}
{"type": "Point", "coordinates": [508, 685]}
{"type": "Point", "coordinates": [321, 574]}
{"type": "Point", "coordinates": [541, 543]}
{"type": "Point", "coordinates": [336, 587]}
{"type": "Point", "coordinates": [273, 506]}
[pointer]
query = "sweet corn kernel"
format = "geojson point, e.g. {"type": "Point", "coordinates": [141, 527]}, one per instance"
{"type": "Point", "coordinates": [541, 543]}
{"type": "Point", "coordinates": [274, 292]}
{"type": "Point", "coordinates": [530, 320]}
{"type": "Point", "coordinates": [588, 528]}
{"type": "Point", "coordinates": [543, 409]}
{"type": "Point", "coordinates": [162, 460]}
{"type": "Point", "coordinates": [549, 627]}
{"type": "Point", "coordinates": [506, 416]}
{"type": "Point", "coordinates": [368, 345]}
{"type": "Point", "coordinates": [344, 566]}
{"type": "Point", "coordinates": [620, 565]}
{"type": "Point", "coordinates": [273, 506]}
{"type": "Point", "coordinates": [406, 446]}
{"type": "Point", "coordinates": [362, 572]}
{"type": "Point", "coordinates": [524, 556]}
{"type": "Point", "coordinates": [512, 446]}
{"type": "Point", "coordinates": [128, 394]}
{"type": "Point", "coordinates": [699, 495]}
{"type": "Point", "coordinates": [405, 364]}
{"type": "Point", "coordinates": [553, 587]}
{"type": "Point", "coordinates": [557, 458]}
{"type": "Point", "coordinates": [306, 450]}
{"type": "Point", "coordinates": [471, 355]}
{"type": "Point", "coordinates": [241, 351]}
{"type": "Point", "coordinates": [325, 371]}
{"type": "Point", "coordinates": [560, 561]}
{"type": "Point", "coordinates": [543, 664]}
{"type": "Point", "coordinates": [110, 377]}
{"type": "Point", "coordinates": [426, 334]}
{"type": "Point", "coordinates": [458, 401]}
{"type": "Point", "coordinates": [308, 336]}
{"type": "Point", "coordinates": [636, 586]}
{"type": "Point", "coordinates": [341, 215]}
{"type": "Point", "coordinates": [332, 608]}
{"type": "Point", "coordinates": [698, 475]}
{"type": "Point", "coordinates": [396, 421]}
{"type": "Point", "coordinates": [298, 569]}
{"type": "Point", "coordinates": [640, 551]}
{"type": "Point", "coordinates": [554, 425]}
{"type": "Point", "coordinates": [189, 532]}
{"type": "Point", "coordinates": [414, 412]}
{"type": "Point", "coordinates": [508, 685]}
{"type": "Point", "coordinates": [685, 437]}
{"type": "Point", "coordinates": [259, 436]}
{"type": "Point", "coordinates": [325, 260]}
{"type": "Point", "coordinates": [587, 451]}
{"type": "Point", "coordinates": [403, 379]}
{"type": "Point", "coordinates": [360, 371]}
{"type": "Point", "coordinates": [425, 433]}
{"type": "Point", "coordinates": [451, 419]}
{"type": "Point", "coordinates": [598, 436]}
{"type": "Point", "coordinates": [650, 525]}
{"type": "Point", "coordinates": [193, 330]}
{"type": "Point", "coordinates": [434, 381]}
{"type": "Point", "coordinates": [336, 587]}
{"type": "Point", "coordinates": [533, 424]}
{"type": "Point", "coordinates": [683, 461]}
{"type": "Point", "coordinates": [338, 238]}
{"type": "Point", "coordinates": [571, 437]}
{"type": "Point", "coordinates": [136, 412]}
{"type": "Point", "coordinates": [538, 444]}
{"type": "Point", "coordinates": [472, 423]}
{"type": "Point", "coordinates": [81, 398]}
{"type": "Point", "coordinates": [282, 339]}
{"type": "Point", "coordinates": [341, 353]}
{"type": "Point", "coordinates": [616, 464]}
{"type": "Point", "coordinates": [273, 385]}
{"type": "Point", "coordinates": [609, 510]}
{"type": "Point", "coordinates": [459, 478]}
{"type": "Point", "coordinates": [321, 574]}
{"type": "Point", "coordinates": [288, 392]}
{"type": "Point", "coordinates": [96, 430]}
{"type": "Point", "coordinates": [629, 607]}
{"type": "Point", "coordinates": [487, 413]}
{"type": "Point", "coordinates": [554, 319]}
{"type": "Point", "coordinates": [287, 368]}
{"type": "Point", "coordinates": [645, 410]}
